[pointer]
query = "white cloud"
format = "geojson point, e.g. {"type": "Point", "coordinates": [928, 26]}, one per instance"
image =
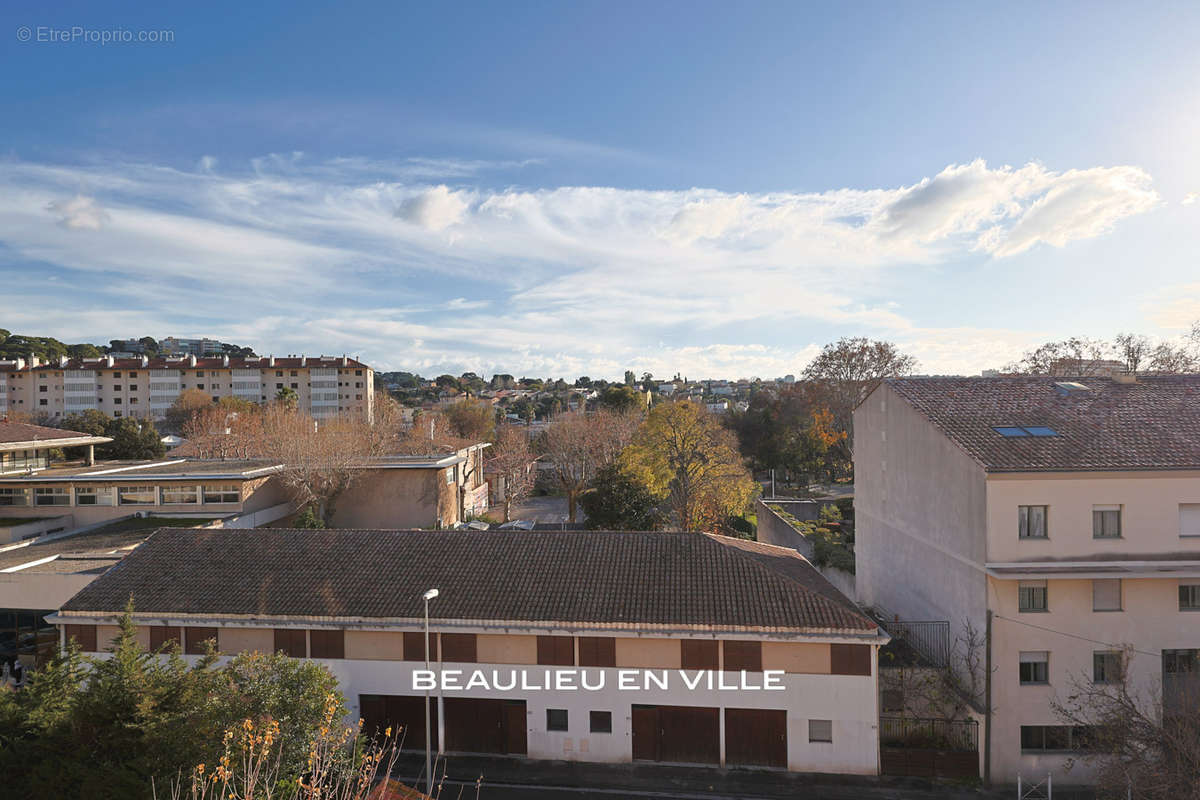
{"type": "Point", "coordinates": [1190, 197]}
{"type": "Point", "coordinates": [586, 278]}
{"type": "Point", "coordinates": [79, 213]}
{"type": "Point", "coordinates": [434, 209]}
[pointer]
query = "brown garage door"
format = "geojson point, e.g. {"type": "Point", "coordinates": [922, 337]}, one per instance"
{"type": "Point", "coordinates": [755, 737]}
{"type": "Point", "coordinates": [475, 725]}
{"type": "Point", "coordinates": [680, 734]}
{"type": "Point", "coordinates": [404, 714]}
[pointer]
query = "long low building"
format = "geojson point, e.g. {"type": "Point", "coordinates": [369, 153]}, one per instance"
{"type": "Point", "coordinates": [631, 619]}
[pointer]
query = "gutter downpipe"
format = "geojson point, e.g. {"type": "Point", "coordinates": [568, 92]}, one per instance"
{"type": "Point", "coordinates": [987, 712]}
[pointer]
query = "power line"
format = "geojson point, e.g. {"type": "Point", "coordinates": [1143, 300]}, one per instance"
{"type": "Point", "coordinates": [1072, 635]}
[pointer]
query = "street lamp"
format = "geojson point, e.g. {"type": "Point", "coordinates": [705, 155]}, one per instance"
{"type": "Point", "coordinates": [429, 595]}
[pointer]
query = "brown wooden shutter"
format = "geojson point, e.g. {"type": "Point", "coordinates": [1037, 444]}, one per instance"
{"type": "Point", "coordinates": [291, 641]}
{"type": "Point", "coordinates": [597, 651]}
{"type": "Point", "coordinates": [195, 637]}
{"type": "Point", "coordinates": [163, 634]}
{"type": "Point", "coordinates": [414, 646]}
{"type": "Point", "coordinates": [556, 651]}
{"type": "Point", "coordinates": [850, 659]}
{"type": "Point", "coordinates": [327, 644]}
{"type": "Point", "coordinates": [84, 636]}
{"type": "Point", "coordinates": [458, 647]}
{"type": "Point", "coordinates": [699, 653]}
{"type": "Point", "coordinates": [743, 655]}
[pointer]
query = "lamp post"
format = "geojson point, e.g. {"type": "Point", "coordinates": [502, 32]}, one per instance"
{"type": "Point", "coordinates": [429, 595]}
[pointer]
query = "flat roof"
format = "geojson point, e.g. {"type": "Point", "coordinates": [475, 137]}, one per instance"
{"type": "Point", "coordinates": [132, 471]}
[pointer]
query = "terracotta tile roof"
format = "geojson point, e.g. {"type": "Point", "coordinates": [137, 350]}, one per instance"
{"type": "Point", "coordinates": [22, 432]}
{"type": "Point", "coordinates": [626, 579]}
{"type": "Point", "coordinates": [1111, 425]}
{"type": "Point", "coordinates": [208, 362]}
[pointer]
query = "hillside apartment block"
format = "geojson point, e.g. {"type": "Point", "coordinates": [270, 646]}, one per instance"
{"type": "Point", "coordinates": [1063, 512]}
{"type": "Point", "coordinates": [534, 603]}
{"type": "Point", "coordinates": [325, 386]}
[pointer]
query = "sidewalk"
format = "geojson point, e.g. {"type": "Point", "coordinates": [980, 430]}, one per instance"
{"type": "Point", "coordinates": [668, 781]}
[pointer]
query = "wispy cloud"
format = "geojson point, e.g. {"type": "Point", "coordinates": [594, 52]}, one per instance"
{"type": "Point", "coordinates": [555, 280]}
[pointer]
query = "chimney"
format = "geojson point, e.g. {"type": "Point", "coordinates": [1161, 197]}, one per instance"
{"type": "Point", "coordinates": [62, 361]}
{"type": "Point", "coordinates": [304, 361]}
{"type": "Point", "coordinates": [34, 361]}
{"type": "Point", "coordinates": [191, 361]}
{"type": "Point", "coordinates": [271, 361]}
{"type": "Point", "coordinates": [109, 361]}
{"type": "Point", "coordinates": [145, 361]}
{"type": "Point", "coordinates": [345, 361]}
{"type": "Point", "coordinates": [1124, 377]}
{"type": "Point", "coordinates": [225, 361]}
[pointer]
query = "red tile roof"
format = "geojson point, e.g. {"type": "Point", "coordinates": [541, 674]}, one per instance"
{"type": "Point", "coordinates": [1153, 423]}
{"type": "Point", "coordinates": [11, 432]}
{"type": "Point", "coordinates": [626, 579]}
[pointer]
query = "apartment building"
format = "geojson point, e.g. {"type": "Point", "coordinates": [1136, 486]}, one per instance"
{"type": "Point", "coordinates": [325, 386]}
{"type": "Point", "coordinates": [1061, 514]}
{"type": "Point", "coordinates": [525, 609]}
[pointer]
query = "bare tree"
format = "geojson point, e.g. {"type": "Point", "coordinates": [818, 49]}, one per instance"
{"type": "Point", "coordinates": [215, 432]}
{"type": "Point", "coordinates": [1139, 745]}
{"type": "Point", "coordinates": [578, 445]}
{"type": "Point", "coordinates": [850, 369]}
{"type": "Point", "coordinates": [1077, 356]}
{"type": "Point", "coordinates": [512, 461]}
{"type": "Point", "coordinates": [1133, 349]}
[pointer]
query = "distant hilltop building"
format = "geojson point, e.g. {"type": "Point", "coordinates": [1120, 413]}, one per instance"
{"type": "Point", "coordinates": [325, 386]}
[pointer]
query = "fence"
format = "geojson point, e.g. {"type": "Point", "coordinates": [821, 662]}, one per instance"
{"type": "Point", "coordinates": [943, 734]}
{"type": "Point", "coordinates": [931, 639]}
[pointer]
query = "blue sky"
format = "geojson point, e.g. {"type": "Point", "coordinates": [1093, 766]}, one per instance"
{"type": "Point", "coordinates": [577, 188]}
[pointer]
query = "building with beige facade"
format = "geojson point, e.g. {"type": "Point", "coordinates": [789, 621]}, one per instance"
{"type": "Point", "coordinates": [325, 386]}
{"type": "Point", "coordinates": [525, 609]}
{"type": "Point", "coordinates": [1060, 515]}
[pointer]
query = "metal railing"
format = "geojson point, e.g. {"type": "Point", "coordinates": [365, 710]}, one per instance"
{"type": "Point", "coordinates": [940, 734]}
{"type": "Point", "coordinates": [931, 639]}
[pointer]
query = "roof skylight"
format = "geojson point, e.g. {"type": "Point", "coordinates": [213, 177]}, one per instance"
{"type": "Point", "coordinates": [1015, 431]}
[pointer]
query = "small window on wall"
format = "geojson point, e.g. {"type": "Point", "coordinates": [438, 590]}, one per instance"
{"type": "Point", "coordinates": [327, 644]}
{"type": "Point", "coordinates": [1034, 668]}
{"type": "Point", "coordinates": [1106, 666]}
{"type": "Point", "coordinates": [1031, 596]}
{"type": "Point", "coordinates": [52, 496]}
{"type": "Point", "coordinates": [222, 493]}
{"type": "Point", "coordinates": [600, 721]}
{"type": "Point", "coordinates": [179, 495]}
{"type": "Point", "coordinates": [136, 495]}
{"type": "Point", "coordinates": [1189, 597]}
{"type": "Point", "coordinates": [1189, 519]}
{"type": "Point", "coordinates": [164, 636]}
{"type": "Point", "coordinates": [84, 636]}
{"type": "Point", "coordinates": [699, 653]}
{"type": "Point", "coordinates": [1106, 522]}
{"type": "Point", "coordinates": [1106, 594]}
{"type": "Point", "coordinates": [820, 730]}
{"type": "Point", "coordinates": [1031, 522]}
{"type": "Point", "coordinates": [93, 496]}
{"type": "Point", "coordinates": [556, 719]}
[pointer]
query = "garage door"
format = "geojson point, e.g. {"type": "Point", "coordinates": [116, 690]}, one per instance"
{"type": "Point", "coordinates": [677, 734]}
{"type": "Point", "coordinates": [486, 726]}
{"type": "Point", "coordinates": [755, 737]}
{"type": "Point", "coordinates": [404, 714]}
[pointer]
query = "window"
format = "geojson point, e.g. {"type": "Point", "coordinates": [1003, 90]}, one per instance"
{"type": "Point", "coordinates": [136, 495]}
{"type": "Point", "coordinates": [358, 372]}
{"type": "Point", "coordinates": [14, 497]}
{"type": "Point", "coordinates": [1106, 666]}
{"type": "Point", "coordinates": [597, 651]}
{"type": "Point", "coordinates": [42, 388]}
{"type": "Point", "coordinates": [222, 493]}
{"type": "Point", "coordinates": [43, 402]}
{"type": "Point", "coordinates": [820, 730]}
{"type": "Point", "coordinates": [295, 373]}
{"type": "Point", "coordinates": [180, 495]}
{"type": "Point", "coordinates": [116, 374]}
{"type": "Point", "coordinates": [163, 636]}
{"type": "Point", "coordinates": [291, 642]}
{"type": "Point", "coordinates": [199, 385]}
{"type": "Point", "coordinates": [600, 721]}
{"type": "Point", "coordinates": [327, 644]}
{"type": "Point", "coordinates": [556, 651]}
{"type": "Point", "coordinates": [84, 636]}
{"type": "Point", "coordinates": [1031, 596]}
{"type": "Point", "coordinates": [195, 638]}
{"type": "Point", "coordinates": [459, 647]}
{"type": "Point", "coordinates": [1106, 522]}
{"type": "Point", "coordinates": [1189, 519]}
{"type": "Point", "coordinates": [1034, 668]}
{"type": "Point", "coordinates": [556, 719]}
{"type": "Point", "coordinates": [199, 373]}
{"type": "Point", "coordinates": [93, 496]}
{"type": "Point", "coordinates": [1189, 597]}
{"type": "Point", "coordinates": [52, 496]}
{"type": "Point", "coordinates": [850, 659]}
{"type": "Point", "coordinates": [1106, 594]}
{"type": "Point", "coordinates": [295, 386]}
{"type": "Point", "coordinates": [698, 653]}
{"type": "Point", "coordinates": [414, 646]}
{"type": "Point", "coordinates": [116, 401]}
{"type": "Point", "coordinates": [743, 656]}
{"type": "Point", "coordinates": [116, 387]}
{"type": "Point", "coordinates": [1031, 522]}
{"type": "Point", "coordinates": [278, 373]}
{"type": "Point", "coordinates": [132, 375]}
{"type": "Point", "coordinates": [1053, 738]}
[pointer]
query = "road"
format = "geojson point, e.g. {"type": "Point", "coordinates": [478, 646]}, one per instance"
{"type": "Point", "coordinates": [544, 508]}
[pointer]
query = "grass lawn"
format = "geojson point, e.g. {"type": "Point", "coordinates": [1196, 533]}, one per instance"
{"type": "Point", "coordinates": [146, 523]}
{"type": "Point", "coordinates": [8, 522]}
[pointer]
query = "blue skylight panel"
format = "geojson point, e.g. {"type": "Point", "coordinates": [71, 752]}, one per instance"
{"type": "Point", "coordinates": [1041, 430]}
{"type": "Point", "coordinates": [1011, 431]}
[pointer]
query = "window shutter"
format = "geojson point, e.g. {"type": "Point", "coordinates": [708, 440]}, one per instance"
{"type": "Point", "coordinates": [597, 651]}
{"type": "Point", "coordinates": [1106, 594]}
{"type": "Point", "coordinates": [699, 653]}
{"type": "Point", "coordinates": [459, 647]}
{"type": "Point", "coordinates": [556, 651]}
{"type": "Point", "coordinates": [1189, 519]}
{"type": "Point", "coordinates": [850, 659]}
{"type": "Point", "coordinates": [743, 655]}
{"type": "Point", "coordinates": [327, 644]}
{"type": "Point", "coordinates": [162, 634]}
{"type": "Point", "coordinates": [195, 639]}
{"type": "Point", "coordinates": [414, 646]}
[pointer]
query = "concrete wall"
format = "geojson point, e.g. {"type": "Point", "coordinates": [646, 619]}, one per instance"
{"type": "Point", "coordinates": [774, 529]}
{"type": "Point", "coordinates": [39, 590]}
{"type": "Point", "coordinates": [35, 527]}
{"type": "Point", "coordinates": [920, 517]}
{"type": "Point", "coordinates": [397, 498]}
